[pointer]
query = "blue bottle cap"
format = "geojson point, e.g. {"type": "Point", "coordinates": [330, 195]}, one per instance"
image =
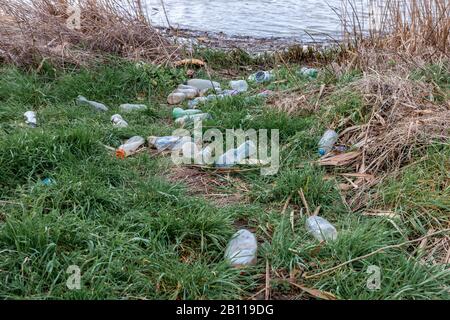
{"type": "Point", "coordinates": [322, 151]}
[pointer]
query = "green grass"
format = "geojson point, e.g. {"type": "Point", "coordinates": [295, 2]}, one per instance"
{"type": "Point", "coordinates": [136, 235]}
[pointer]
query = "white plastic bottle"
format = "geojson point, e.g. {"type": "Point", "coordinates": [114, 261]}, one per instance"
{"type": "Point", "coordinates": [239, 85]}
{"type": "Point", "coordinates": [129, 107]}
{"type": "Point", "coordinates": [320, 228]}
{"type": "Point", "coordinates": [118, 121]}
{"type": "Point", "coordinates": [168, 143]}
{"type": "Point", "coordinates": [96, 105]}
{"type": "Point", "coordinates": [130, 146]}
{"type": "Point", "coordinates": [235, 156]}
{"type": "Point", "coordinates": [30, 118]}
{"type": "Point", "coordinates": [203, 84]}
{"type": "Point", "coordinates": [242, 249]}
{"type": "Point", "coordinates": [327, 141]}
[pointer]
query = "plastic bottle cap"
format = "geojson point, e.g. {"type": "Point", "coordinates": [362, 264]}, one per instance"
{"type": "Point", "coordinates": [120, 153]}
{"type": "Point", "coordinates": [322, 152]}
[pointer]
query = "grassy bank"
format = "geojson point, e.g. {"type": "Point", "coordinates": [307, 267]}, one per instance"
{"type": "Point", "coordinates": [142, 228]}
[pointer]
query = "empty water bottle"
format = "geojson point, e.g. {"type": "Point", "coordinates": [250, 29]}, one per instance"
{"type": "Point", "coordinates": [128, 107]}
{"type": "Point", "coordinates": [320, 228]}
{"type": "Point", "coordinates": [235, 156]}
{"type": "Point", "coordinates": [96, 105]}
{"type": "Point", "coordinates": [261, 76]}
{"type": "Point", "coordinates": [30, 118]}
{"type": "Point", "coordinates": [203, 85]}
{"type": "Point", "coordinates": [309, 72]}
{"type": "Point", "coordinates": [118, 121]}
{"type": "Point", "coordinates": [195, 102]}
{"type": "Point", "coordinates": [168, 143]}
{"type": "Point", "coordinates": [239, 85]}
{"type": "Point", "coordinates": [129, 147]}
{"type": "Point", "coordinates": [327, 141]}
{"type": "Point", "coordinates": [176, 98]}
{"type": "Point", "coordinates": [191, 118]}
{"type": "Point", "coordinates": [178, 112]}
{"type": "Point", "coordinates": [242, 249]}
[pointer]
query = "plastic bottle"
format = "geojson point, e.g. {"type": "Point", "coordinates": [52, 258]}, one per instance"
{"type": "Point", "coordinates": [176, 98]}
{"type": "Point", "coordinates": [178, 112]}
{"type": "Point", "coordinates": [191, 118]}
{"type": "Point", "coordinates": [327, 141]}
{"type": "Point", "coordinates": [195, 102]}
{"type": "Point", "coordinates": [261, 76]}
{"type": "Point", "coordinates": [235, 156]}
{"type": "Point", "coordinates": [118, 121]}
{"type": "Point", "coordinates": [239, 85]}
{"type": "Point", "coordinates": [96, 105]}
{"type": "Point", "coordinates": [242, 249]}
{"type": "Point", "coordinates": [203, 85]}
{"type": "Point", "coordinates": [189, 93]}
{"type": "Point", "coordinates": [128, 107]}
{"type": "Point", "coordinates": [309, 72]}
{"type": "Point", "coordinates": [320, 228]}
{"type": "Point", "coordinates": [30, 118]}
{"type": "Point", "coordinates": [168, 143]}
{"type": "Point", "coordinates": [129, 147]}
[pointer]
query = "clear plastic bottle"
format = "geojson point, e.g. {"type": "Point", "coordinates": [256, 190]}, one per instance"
{"type": "Point", "coordinates": [235, 156]}
{"type": "Point", "coordinates": [239, 85]}
{"type": "Point", "coordinates": [130, 146]}
{"type": "Point", "coordinates": [168, 143]}
{"type": "Point", "coordinates": [191, 118]}
{"type": "Point", "coordinates": [178, 112]}
{"type": "Point", "coordinates": [195, 102]}
{"type": "Point", "coordinates": [189, 93]}
{"type": "Point", "coordinates": [96, 105]}
{"type": "Point", "coordinates": [261, 76]}
{"type": "Point", "coordinates": [129, 107]}
{"type": "Point", "coordinates": [327, 141]}
{"type": "Point", "coordinates": [309, 72]}
{"type": "Point", "coordinates": [30, 118]}
{"type": "Point", "coordinates": [203, 84]}
{"type": "Point", "coordinates": [242, 249]}
{"type": "Point", "coordinates": [176, 98]}
{"type": "Point", "coordinates": [118, 121]}
{"type": "Point", "coordinates": [320, 228]}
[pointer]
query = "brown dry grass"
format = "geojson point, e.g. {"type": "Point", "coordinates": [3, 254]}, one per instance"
{"type": "Point", "coordinates": [38, 29]}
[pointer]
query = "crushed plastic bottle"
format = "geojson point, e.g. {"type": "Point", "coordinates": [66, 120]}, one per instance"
{"type": "Point", "coordinates": [203, 85]}
{"type": "Point", "coordinates": [239, 85]}
{"type": "Point", "coordinates": [321, 229]}
{"type": "Point", "coordinates": [96, 105]}
{"type": "Point", "coordinates": [327, 141]}
{"type": "Point", "coordinates": [129, 147]}
{"type": "Point", "coordinates": [235, 156]}
{"type": "Point", "coordinates": [129, 107]}
{"type": "Point", "coordinates": [242, 249]}
{"type": "Point", "coordinates": [178, 112]}
{"type": "Point", "coordinates": [168, 143]}
{"type": "Point", "coordinates": [30, 118]}
{"type": "Point", "coordinates": [309, 72]}
{"type": "Point", "coordinates": [191, 118]}
{"type": "Point", "coordinates": [261, 76]}
{"type": "Point", "coordinates": [118, 121]}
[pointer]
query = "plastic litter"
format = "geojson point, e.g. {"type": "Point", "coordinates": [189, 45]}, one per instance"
{"type": "Point", "coordinates": [48, 182]}
{"type": "Point", "coordinates": [242, 249]}
{"type": "Point", "coordinates": [327, 141]}
{"type": "Point", "coordinates": [30, 118]}
{"type": "Point", "coordinates": [195, 102]}
{"type": "Point", "coordinates": [96, 105]}
{"type": "Point", "coordinates": [235, 156]}
{"type": "Point", "coordinates": [191, 118]}
{"type": "Point", "coordinates": [129, 147]}
{"type": "Point", "coordinates": [176, 98]}
{"type": "Point", "coordinates": [129, 107]}
{"type": "Point", "coordinates": [118, 121]}
{"type": "Point", "coordinates": [203, 85]}
{"type": "Point", "coordinates": [178, 112]}
{"type": "Point", "coordinates": [239, 85]}
{"type": "Point", "coordinates": [168, 143]}
{"type": "Point", "coordinates": [309, 72]}
{"type": "Point", "coordinates": [261, 76]}
{"type": "Point", "coordinates": [321, 229]}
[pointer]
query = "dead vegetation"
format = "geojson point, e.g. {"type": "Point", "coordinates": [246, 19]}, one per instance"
{"type": "Point", "coordinates": [31, 31]}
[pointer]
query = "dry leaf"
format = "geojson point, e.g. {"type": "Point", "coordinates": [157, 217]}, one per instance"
{"type": "Point", "coordinates": [315, 292]}
{"type": "Point", "coordinates": [184, 62]}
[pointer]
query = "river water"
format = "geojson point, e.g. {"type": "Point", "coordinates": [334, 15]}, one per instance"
{"type": "Point", "coordinates": [299, 19]}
